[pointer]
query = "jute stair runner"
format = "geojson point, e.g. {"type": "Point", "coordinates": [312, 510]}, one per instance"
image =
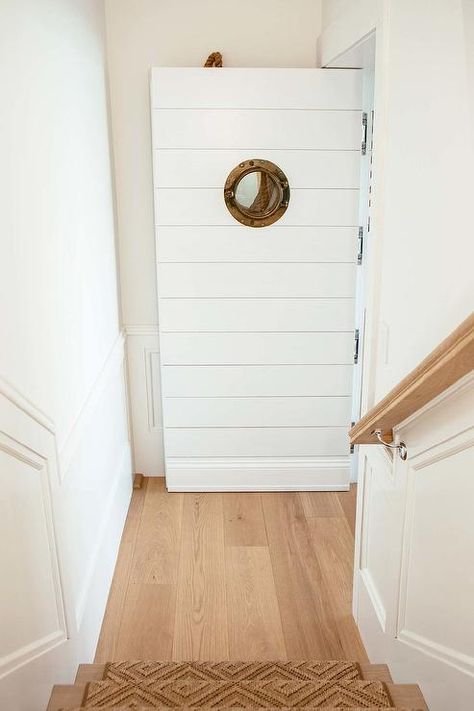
{"type": "Point", "coordinates": [137, 672]}
{"type": "Point", "coordinates": [239, 685]}
{"type": "Point", "coordinates": [243, 694]}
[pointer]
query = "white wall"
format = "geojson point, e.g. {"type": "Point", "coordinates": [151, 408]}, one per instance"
{"type": "Point", "coordinates": [426, 277]}
{"type": "Point", "coordinates": [468, 10]}
{"type": "Point", "coordinates": [146, 33]}
{"type": "Point", "coordinates": [331, 10]}
{"type": "Point", "coordinates": [423, 173]}
{"type": "Point", "coordinates": [61, 355]}
{"type": "Point", "coordinates": [421, 287]}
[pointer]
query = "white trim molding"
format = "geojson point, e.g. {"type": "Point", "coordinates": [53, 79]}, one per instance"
{"type": "Point", "coordinates": [112, 508]}
{"type": "Point", "coordinates": [78, 568]}
{"type": "Point", "coordinates": [371, 590]}
{"type": "Point", "coordinates": [257, 474]}
{"type": "Point", "coordinates": [30, 442]}
{"type": "Point", "coordinates": [25, 405]}
{"type": "Point", "coordinates": [447, 655]}
{"type": "Point", "coordinates": [438, 452]}
{"type": "Point", "coordinates": [113, 361]}
{"type": "Point", "coordinates": [141, 329]}
{"type": "Point", "coordinates": [143, 357]}
{"type": "Point", "coordinates": [39, 462]}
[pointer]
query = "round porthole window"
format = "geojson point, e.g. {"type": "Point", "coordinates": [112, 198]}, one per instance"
{"type": "Point", "coordinates": [257, 193]}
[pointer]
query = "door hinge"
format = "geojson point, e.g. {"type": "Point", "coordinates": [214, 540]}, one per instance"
{"type": "Point", "coordinates": [363, 147]}
{"type": "Point", "coordinates": [352, 446]}
{"type": "Point", "coordinates": [360, 248]}
{"type": "Point", "coordinates": [356, 346]}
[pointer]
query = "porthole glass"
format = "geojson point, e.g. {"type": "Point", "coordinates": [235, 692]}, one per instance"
{"type": "Point", "coordinates": [257, 193]}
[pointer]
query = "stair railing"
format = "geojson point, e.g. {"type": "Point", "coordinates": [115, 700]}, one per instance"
{"type": "Point", "coordinates": [450, 361]}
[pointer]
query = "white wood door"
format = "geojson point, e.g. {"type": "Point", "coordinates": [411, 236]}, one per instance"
{"type": "Point", "coordinates": [256, 326]}
{"type": "Point", "coordinates": [414, 571]}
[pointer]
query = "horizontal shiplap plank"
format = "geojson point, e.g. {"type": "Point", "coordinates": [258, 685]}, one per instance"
{"type": "Point", "coordinates": [193, 207]}
{"type": "Point", "coordinates": [256, 314]}
{"type": "Point", "coordinates": [256, 348]}
{"type": "Point", "coordinates": [180, 87]}
{"type": "Point", "coordinates": [272, 244]}
{"type": "Point", "coordinates": [256, 130]}
{"type": "Point", "coordinates": [256, 280]}
{"type": "Point", "coordinates": [256, 442]}
{"type": "Point", "coordinates": [258, 412]}
{"type": "Point", "coordinates": [256, 380]}
{"type": "Point", "coordinates": [177, 168]}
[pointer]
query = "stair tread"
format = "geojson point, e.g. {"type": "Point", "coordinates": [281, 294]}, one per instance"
{"type": "Point", "coordinates": [239, 708]}
{"type": "Point", "coordinates": [129, 671]}
{"type": "Point", "coordinates": [249, 694]}
{"type": "Point", "coordinates": [376, 671]}
{"type": "Point", "coordinates": [408, 695]}
{"type": "Point", "coordinates": [96, 672]}
{"type": "Point", "coordinates": [232, 686]}
{"type": "Point", "coordinates": [89, 672]}
{"type": "Point", "coordinates": [65, 696]}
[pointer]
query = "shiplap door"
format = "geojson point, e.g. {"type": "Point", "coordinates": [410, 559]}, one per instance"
{"type": "Point", "coordinates": [256, 325]}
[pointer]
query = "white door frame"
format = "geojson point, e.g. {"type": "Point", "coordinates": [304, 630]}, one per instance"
{"type": "Point", "coordinates": [362, 54]}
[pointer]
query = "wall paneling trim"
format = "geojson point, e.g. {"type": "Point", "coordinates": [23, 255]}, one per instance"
{"type": "Point", "coordinates": [416, 613]}
{"type": "Point", "coordinates": [65, 557]}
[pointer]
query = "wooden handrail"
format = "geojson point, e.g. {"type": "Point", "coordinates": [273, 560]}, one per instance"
{"type": "Point", "coordinates": [449, 362]}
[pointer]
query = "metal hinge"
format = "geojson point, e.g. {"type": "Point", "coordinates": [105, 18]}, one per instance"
{"type": "Point", "coordinates": [360, 248]}
{"type": "Point", "coordinates": [356, 346]}
{"type": "Point", "coordinates": [352, 446]}
{"type": "Point", "coordinates": [363, 147]}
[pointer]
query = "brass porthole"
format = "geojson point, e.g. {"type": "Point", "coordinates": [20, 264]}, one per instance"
{"type": "Point", "coordinates": [257, 193]}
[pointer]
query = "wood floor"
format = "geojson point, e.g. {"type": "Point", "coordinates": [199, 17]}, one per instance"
{"type": "Point", "coordinates": [233, 576]}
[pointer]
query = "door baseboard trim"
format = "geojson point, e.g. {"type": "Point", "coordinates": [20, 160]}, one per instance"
{"type": "Point", "coordinates": [258, 474]}
{"type": "Point", "coordinates": [189, 488]}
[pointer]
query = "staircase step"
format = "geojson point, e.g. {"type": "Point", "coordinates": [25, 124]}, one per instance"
{"type": "Point", "coordinates": [97, 672]}
{"type": "Point", "coordinates": [245, 694]}
{"type": "Point", "coordinates": [66, 696]}
{"type": "Point", "coordinates": [89, 672]}
{"type": "Point", "coordinates": [376, 672]}
{"type": "Point", "coordinates": [263, 685]}
{"type": "Point", "coordinates": [238, 708]}
{"type": "Point", "coordinates": [152, 671]}
{"type": "Point", "coordinates": [407, 695]}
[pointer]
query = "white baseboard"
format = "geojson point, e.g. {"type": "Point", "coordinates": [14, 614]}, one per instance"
{"type": "Point", "coordinates": [258, 474]}
{"type": "Point", "coordinates": [101, 570]}
{"type": "Point", "coordinates": [109, 533]}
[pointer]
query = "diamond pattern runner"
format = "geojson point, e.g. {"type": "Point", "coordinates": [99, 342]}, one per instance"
{"type": "Point", "coordinates": [242, 694]}
{"type": "Point", "coordinates": [147, 671]}
{"type": "Point", "coordinates": [234, 708]}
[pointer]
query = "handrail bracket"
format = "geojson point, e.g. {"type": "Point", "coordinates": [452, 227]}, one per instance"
{"type": "Point", "coordinates": [400, 447]}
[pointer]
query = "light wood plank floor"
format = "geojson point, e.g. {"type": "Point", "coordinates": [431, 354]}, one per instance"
{"type": "Point", "coordinates": [233, 576]}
